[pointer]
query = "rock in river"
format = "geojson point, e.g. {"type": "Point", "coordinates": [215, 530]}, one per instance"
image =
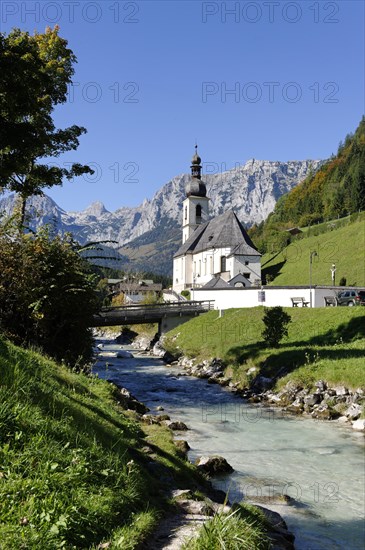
{"type": "Point", "coordinates": [214, 465]}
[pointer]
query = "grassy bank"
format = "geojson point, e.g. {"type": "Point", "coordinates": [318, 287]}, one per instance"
{"type": "Point", "coordinates": [77, 471]}
{"type": "Point", "coordinates": [327, 343]}
{"type": "Point", "coordinates": [343, 246]}
{"type": "Point", "coordinates": [73, 471]}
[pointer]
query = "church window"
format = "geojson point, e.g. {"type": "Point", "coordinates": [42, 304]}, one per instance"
{"type": "Point", "coordinates": [223, 263]}
{"type": "Point", "coordinates": [186, 212]}
{"type": "Point", "coordinates": [247, 262]}
{"type": "Point", "coordinates": [198, 213]}
{"type": "Point", "coordinates": [247, 275]}
{"type": "Point", "coordinates": [239, 284]}
{"type": "Point", "coordinates": [200, 267]}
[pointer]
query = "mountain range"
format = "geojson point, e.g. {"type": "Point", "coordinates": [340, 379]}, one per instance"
{"type": "Point", "coordinates": [146, 237]}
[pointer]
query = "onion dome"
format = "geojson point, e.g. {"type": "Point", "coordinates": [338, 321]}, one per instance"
{"type": "Point", "coordinates": [196, 160]}
{"type": "Point", "coordinates": [195, 186]}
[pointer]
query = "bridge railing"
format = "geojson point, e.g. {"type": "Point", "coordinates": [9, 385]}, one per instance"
{"type": "Point", "coordinates": [193, 305]}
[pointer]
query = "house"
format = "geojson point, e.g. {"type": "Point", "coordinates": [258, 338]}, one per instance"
{"type": "Point", "coordinates": [212, 250]}
{"type": "Point", "coordinates": [136, 292]}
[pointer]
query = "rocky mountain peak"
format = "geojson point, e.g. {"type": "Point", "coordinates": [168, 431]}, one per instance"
{"type": "Point", "coordinates": [96, 209]}
{"type": "Point", "coordinates": [250, 189]}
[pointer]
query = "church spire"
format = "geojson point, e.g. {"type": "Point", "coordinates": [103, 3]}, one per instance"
{"type": "Point", "coordinates": [196, 168]}
{"type": "Point", "coordinates": [195, 186]}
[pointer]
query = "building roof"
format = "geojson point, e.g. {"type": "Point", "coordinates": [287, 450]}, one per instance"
{"type": "Point", "coordinates": [239, 278]}
{"type": "Point", "coordinates": [216, 282]}
{"type": "Point", "coordinates": [129, 287]}
{"type": "Point", "coordinates": [294, 230]}
{"type": "Point", "coordinates": [220, 232]}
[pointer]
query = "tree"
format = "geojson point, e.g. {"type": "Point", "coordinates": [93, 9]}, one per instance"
{"type": "Point", "coordinates": [47, 295]}
{"type": "Point", "coordinates": [35, 72]}
{"type": "Point", "coordinates": [276, 321]}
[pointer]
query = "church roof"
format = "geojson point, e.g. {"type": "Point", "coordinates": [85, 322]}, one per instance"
{"type": "Point", "coordinates": [220, 232]}
{"type": "Point", "coordinates": [216, 282]}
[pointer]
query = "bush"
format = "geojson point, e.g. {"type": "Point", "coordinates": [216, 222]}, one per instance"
{"type": "Point", "coordinates": [47, 295]}
{"type": "Point", "coordinates": [276, 321]}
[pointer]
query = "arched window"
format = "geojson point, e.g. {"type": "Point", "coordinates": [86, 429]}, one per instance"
{"type": "Point", "coordinates": [186, 212]}
{"type": "Point", "coordinates": [198, 213]}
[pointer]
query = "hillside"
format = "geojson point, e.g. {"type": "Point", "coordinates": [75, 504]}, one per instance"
{"type": "Point", "coordinates": [335, 190]}
{"type": "Point", "coordinates": [73, 469]}
{"type": "Point", "coordinates": [343, 246]}
{"type": "Point", "coordinates": [323, 343]}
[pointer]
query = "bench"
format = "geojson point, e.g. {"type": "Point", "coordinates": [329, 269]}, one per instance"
{"type": "Point", "coordinates": [299, 300]}
{"type": "Point", "coordinates": [330, 301]}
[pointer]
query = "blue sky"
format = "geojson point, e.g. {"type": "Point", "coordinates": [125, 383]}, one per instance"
{"type": "Point", "coordinates": [252, 79]}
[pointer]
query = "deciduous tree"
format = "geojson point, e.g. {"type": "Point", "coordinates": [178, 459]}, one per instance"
{"type": "Point", "coordinates": [35, 72]}
{"type": "Point", "coordinates": [47, 294]}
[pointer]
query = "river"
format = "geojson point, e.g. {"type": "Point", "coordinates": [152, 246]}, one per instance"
{"type": "Point", "coordinates": [321, 467]}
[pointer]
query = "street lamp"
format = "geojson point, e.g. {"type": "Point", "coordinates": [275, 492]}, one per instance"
{"type": "Point", "coordinates": [313, 253]}
{"type": "Point", "coordinates": [333, 273]}
{"type": "Point", "coordinates": [195, 276]}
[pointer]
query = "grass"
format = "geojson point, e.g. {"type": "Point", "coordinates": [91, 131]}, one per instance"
{"type": "Point", "coordinates": [73, 473]}
{"type": "Point", "coordinates": [344, 247]}
{"type": "Point", "coordinates": [242, 529]}
{"type": "Point", "coordinates": [327, 343]}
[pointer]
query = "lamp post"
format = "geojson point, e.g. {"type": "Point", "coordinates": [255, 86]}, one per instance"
{"type": "Point", "coordinates": [333, 273]}
{"type": "Point", "coordinates": [195, 276]}
{"type": "Point", "coordinates": [313, 253]}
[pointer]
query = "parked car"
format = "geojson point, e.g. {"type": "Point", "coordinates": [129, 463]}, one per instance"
{"type": "Point", "coordinates": [351, 298]}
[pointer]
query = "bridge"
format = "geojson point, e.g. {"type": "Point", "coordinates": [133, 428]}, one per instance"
{"type": "Point", "coordinates": [168, 316]}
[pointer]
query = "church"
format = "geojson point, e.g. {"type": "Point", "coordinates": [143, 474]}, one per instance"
{"type": "Point", "coordinates": [216, 253]}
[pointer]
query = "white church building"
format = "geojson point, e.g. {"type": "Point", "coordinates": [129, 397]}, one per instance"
{"type": "Point", "coordinates": [216, 253]}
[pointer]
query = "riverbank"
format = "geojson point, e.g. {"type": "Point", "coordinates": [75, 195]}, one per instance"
{"type": "Point", "coordinates": [317, 370]}
{"type": "Point", "coordinates": [81, 467]}
{"type": "Point", "coordinates": [273, 455]}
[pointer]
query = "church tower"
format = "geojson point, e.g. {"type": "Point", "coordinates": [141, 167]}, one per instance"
{"type": "Point", "coordinates": [195, 206]}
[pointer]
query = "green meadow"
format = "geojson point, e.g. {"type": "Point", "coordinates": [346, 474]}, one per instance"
{"type": "Point", "coordinates": [322, 343]}
{"type": "Point", "coordinates": [343, 246]}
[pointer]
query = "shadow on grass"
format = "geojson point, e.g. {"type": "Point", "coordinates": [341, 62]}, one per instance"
{"type": "Point", "coordinates": [283, 360]}
{"type": "Point", "coordinates": [240, 354]}
{"type": "Point", "coordinates": [273, 271]}
{"type": "Point", "coordinates": [346, 332]}
{"type": "Point", "coordinates": [282, 363]}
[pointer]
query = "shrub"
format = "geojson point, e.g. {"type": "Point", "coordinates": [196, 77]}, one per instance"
{"type": "Point", "coordinates": [276, 321]}
{"type": "Point", "coordinates": [47, 295]}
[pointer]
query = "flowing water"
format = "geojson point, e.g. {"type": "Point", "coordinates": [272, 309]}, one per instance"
{"type": "Point", "coordinates": [321, 467]}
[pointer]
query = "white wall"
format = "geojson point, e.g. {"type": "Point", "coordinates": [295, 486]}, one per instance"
{"type": "Point", "coordinates": [249, 297]}
{"type": "Point", "coordinates": [253, 267]}
{"type": "Point", "coordinates": [189, 214]}
{"type": "Point", "coordinates": [203, 264]}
